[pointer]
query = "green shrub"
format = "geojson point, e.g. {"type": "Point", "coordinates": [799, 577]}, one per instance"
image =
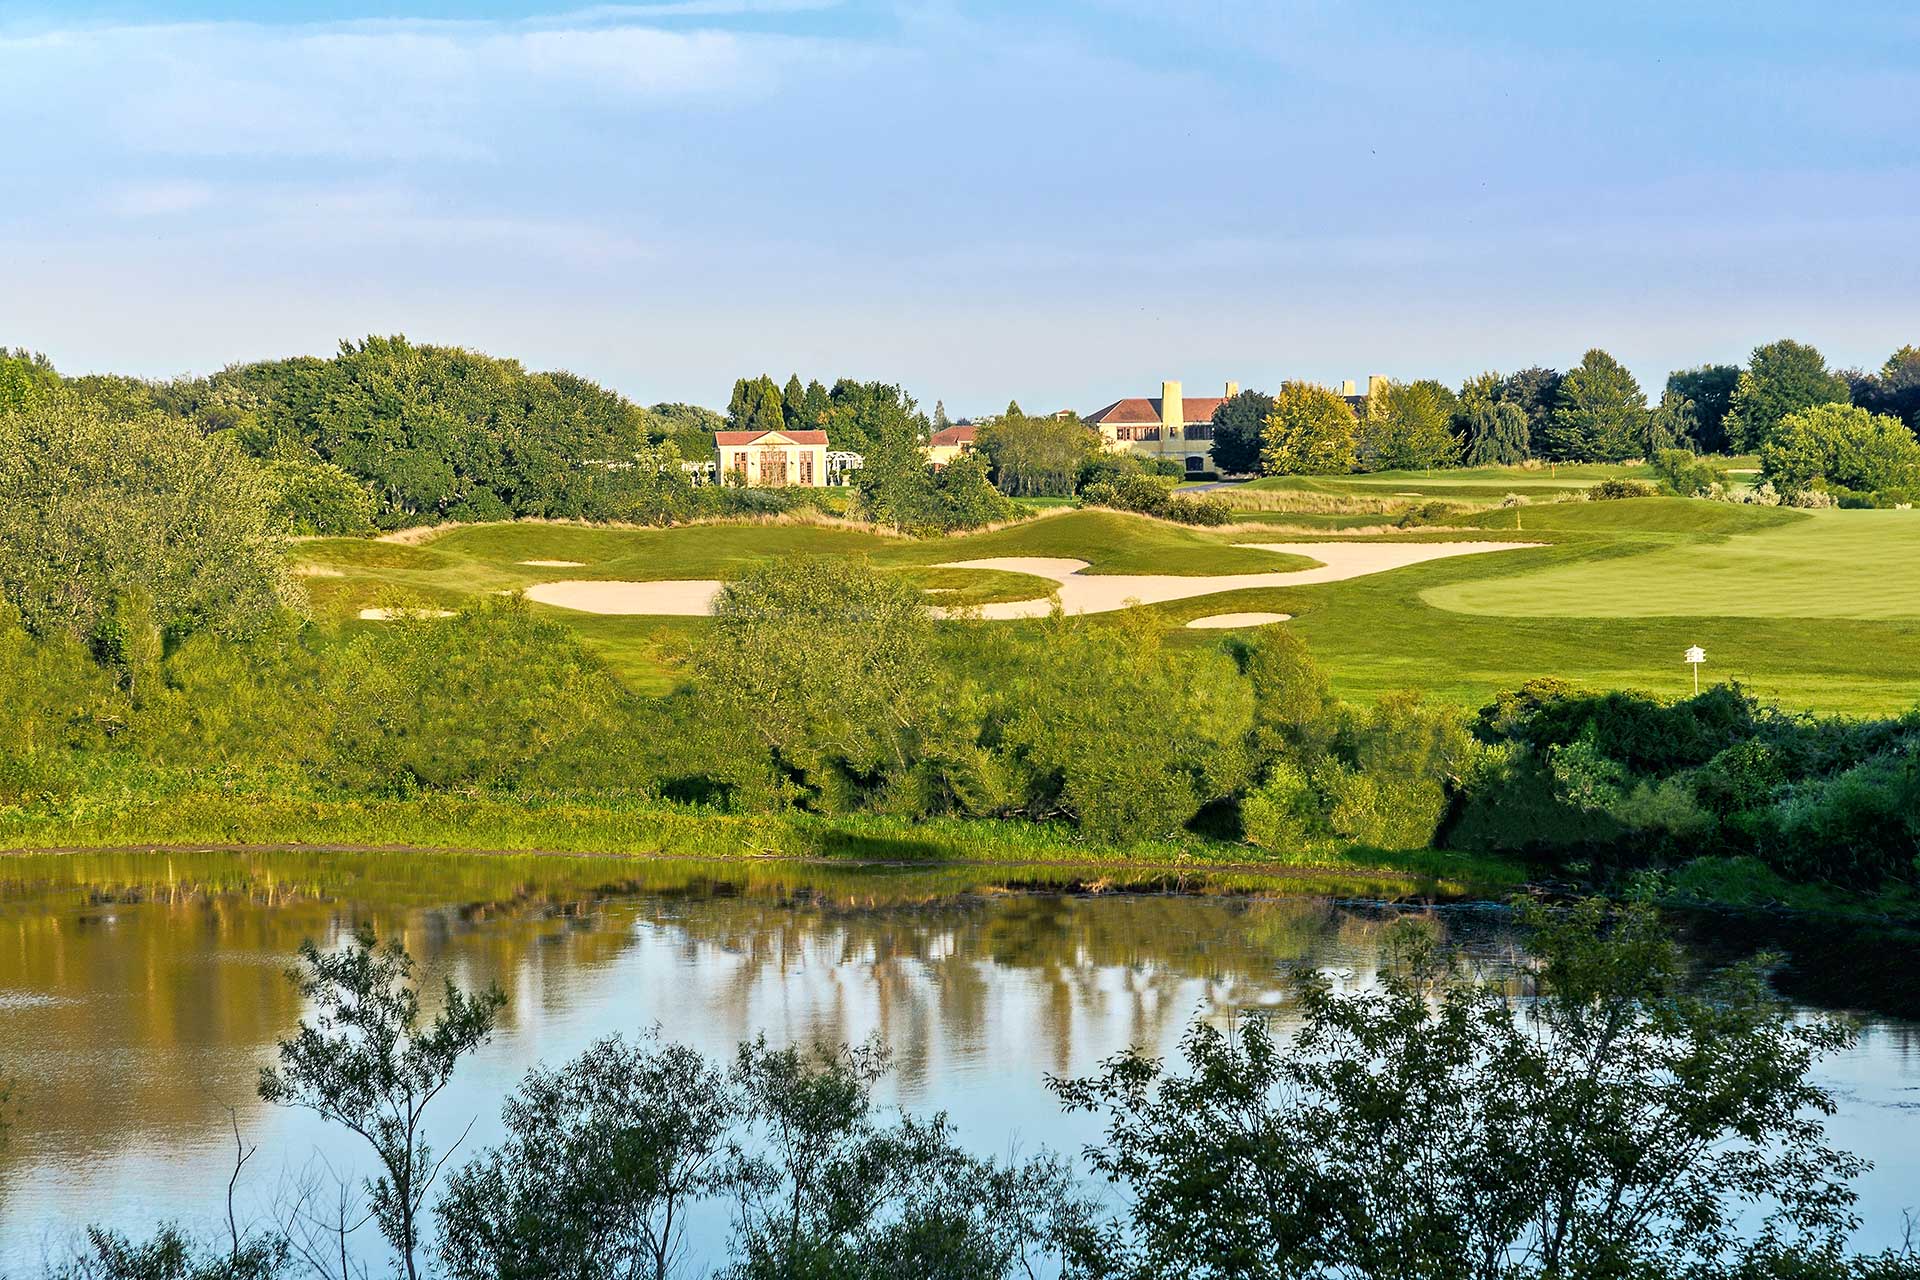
{"type": "Point", "coordinates": [1616, 487]}
{"type": "Point", "coordinates": [1686, 473]}
{"type": "Point", "coordinates": [1284, 812]}
{"type": "Point", "coordinates": [314, 497]}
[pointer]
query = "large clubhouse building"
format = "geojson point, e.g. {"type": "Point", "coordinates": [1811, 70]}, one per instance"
{"type": "Point", "coordinates": [1179, 428]}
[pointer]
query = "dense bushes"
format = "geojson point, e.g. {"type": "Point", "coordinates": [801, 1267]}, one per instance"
{"type": "Point", "coordinates": [100, 516]}
{"type": "Point", "coordinates": [1635, 781]}
{"type": "Point", "coordinates": [1842, 448]}
{"type": "Point", "coordinates": [1154, 496]}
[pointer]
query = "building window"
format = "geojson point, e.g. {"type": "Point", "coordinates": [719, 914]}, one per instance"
{"type": "Point", "coordinates": [1196, 463]}
{"type": "Point", "coordinates": [1148, 433]}
{"type": "Point", "coordinates": [806, 467]}
{"type": "Point", "coordinates": [740, 464]}
{"type": "Point", "coordinates": [1202, 431]}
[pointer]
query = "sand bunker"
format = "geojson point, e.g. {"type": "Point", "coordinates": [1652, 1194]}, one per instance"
{"type": "Point", "coordinates": [553, 564]}
{"type": "Point", "coordinates": [688, 598]}
{"type": "Point", "coordinates": [1222, 621]}
{"type": "Point", "coordinates": [1103, 593]}
{"type": "Point", "coordinates": [388, 615]}
{"type": "Point", "coordinates": [318, 571]}
{"type": "Point", "coordinates": [1077, 592]}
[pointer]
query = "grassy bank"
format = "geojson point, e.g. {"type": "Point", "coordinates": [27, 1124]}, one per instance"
{"type": "Point", "coordinates": [574, 825]}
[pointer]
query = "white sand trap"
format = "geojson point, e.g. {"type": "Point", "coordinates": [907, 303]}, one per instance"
{"type": "Point", "coordinates": [1080, 592]}
{"type": "Point", "coordinates": [554, 564]}
{"type": "Point", "coordinates": [1222, 621]}
{"type": "Point", "coordinates": [687, 598]}
{"type": "Point", "coordinates": [318, 571]}
{"type": "Point", "coordinates": [388, 615]}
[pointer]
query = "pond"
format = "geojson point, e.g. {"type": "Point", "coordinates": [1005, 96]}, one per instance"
{"type": "Point", "coordinates": [141, 993]}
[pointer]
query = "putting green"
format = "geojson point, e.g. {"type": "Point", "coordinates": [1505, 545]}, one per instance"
{"type": "Point", "coordinates": [1834, 564]}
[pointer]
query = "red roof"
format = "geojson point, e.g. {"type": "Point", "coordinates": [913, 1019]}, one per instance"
{"type": "Point", "coordinates": [748, 437]}
{"type": "Point", "coordinates": [956, 434]}
{"type": "Point", "coordinates": [1145, 411]}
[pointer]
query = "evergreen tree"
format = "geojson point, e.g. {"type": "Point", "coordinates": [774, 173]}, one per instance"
{"type": "Point", "coordinates": [1238, 427]}
{"type": "Point", "coordinates": [940, 422]}
{"type": "Point", "coordinates": [1600, 415]}
{"type": "Point", "coordinates": [756, 406]}
{"type": "Point", "coordinates": [1309, 432]}
{"type": "Point", "coordinates": [817, 404]}
{"type": "Point", "coordinates": [1536, 391]}
{"type": "Point", "coordinates": [1710, 389]}
{"type": "Point", "coordinates": [793, 405]}
{"type": "Point", "coordinates": [1783, 377]}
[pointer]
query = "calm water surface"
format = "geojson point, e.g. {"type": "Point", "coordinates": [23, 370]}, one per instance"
{"type": "Point", "coordinates": [141, 994]}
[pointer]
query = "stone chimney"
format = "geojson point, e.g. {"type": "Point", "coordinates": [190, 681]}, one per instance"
{"type": "Point", "coordinates": [1376, 383]}
{"type": "Point", "coordinates": [1233, 389]}
{"type": "Point", "coordinates": [1172, 411]}
{"type": "Point", "coordinates": [1346, 388]}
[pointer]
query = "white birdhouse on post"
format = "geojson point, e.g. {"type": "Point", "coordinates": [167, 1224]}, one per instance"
{"type": "Point", "coordinates": [1695, 656]}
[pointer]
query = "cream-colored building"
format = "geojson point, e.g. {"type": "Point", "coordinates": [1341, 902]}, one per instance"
{"type": "Point", "coordinates": [1179, 428]}
{"type": "Point", "coordinates": [772, 459]}
{"type": "Point", "coordinates": [1175, 427]}
{"type": "Point", "coordinates": [948, 443]}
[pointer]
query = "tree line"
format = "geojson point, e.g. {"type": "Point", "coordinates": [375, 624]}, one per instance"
{"type": "Point", "coordinates": [1600, 1111]}
{"type": "Point", "coordinates": [1597, 412]}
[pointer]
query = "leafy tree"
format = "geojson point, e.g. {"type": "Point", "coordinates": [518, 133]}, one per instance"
{"type": "Point", "coordinates": [1685, 473]}
{"type": "Point", "coordinates": [1537, 392]}
{"type": "Point", "coordinates": [1673, 424]}
{"type": "Point", "coordinates": [688, 427]}
{"type": "Point", "coordinates": [1609, 1119]}
{"type": "Point", "coordinates": [1034, 456]}
{"type": "Point", "coordinates": [173, 1255]}
{"type": "Point", "coordinates": [319, 498]}
{"type": "Point", "coordinates": [604, 1158]}
{"type": "Point", "coordinates": [831, 1192]}
{"type": "Point", "coordinates": [756, 405]}
{"type": "Point", "coordinates": [97, 508]}
{"type": "Point", "coordinates": [1841, 445]}
{"type": "Point", "coordinates": [1239, 425]}
{"type": "Point", "coordinates": [1407, 427]}
{"type": "Point", "coordinates": [1781, 378]}
{"type": "Point", "coordinates": [365, 1062]}
{"type": "Point", "coordinates": [1599, 414]}
{"type": "Point", "coordinates": [819, 673]}
{"type": "Point", "coordinates": [27, 378]}
{"type": "Point", "coordinates": [1710, 389]}
{"type": "Point", "coordinates": [1496, 434]}
{"type": "Point", "coordinates": [963, 496]}
{"type": "Point", "coordinates": [1894, 389]}
{"type": "Point", "coordinates": [1310, 431]}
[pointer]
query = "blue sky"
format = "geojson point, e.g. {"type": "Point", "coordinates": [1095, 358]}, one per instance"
{"type": "Point", "coordinates": [1060, 203]}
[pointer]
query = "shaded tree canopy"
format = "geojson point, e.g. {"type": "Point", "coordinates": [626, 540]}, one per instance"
{"type": "Point", "coordinates": [1781, 378]}
{"type": "Point", "coordinates": [1537, 391]}
{"type": "Point", "coordinates": [1709, 389]}
{"type": "Point", "coordinates": [1239, 425]}
{"type": "Point", "coordinates": [1894, 389]}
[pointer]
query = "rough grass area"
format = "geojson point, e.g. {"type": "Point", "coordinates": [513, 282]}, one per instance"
{"type": "Point", "coordinates": [654, 830]}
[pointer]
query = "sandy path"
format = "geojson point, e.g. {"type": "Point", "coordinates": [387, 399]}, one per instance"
{"type": "Point", "coordinates": [1078, 592]}
{"type": "Point", "coordinates": [1103, 593]}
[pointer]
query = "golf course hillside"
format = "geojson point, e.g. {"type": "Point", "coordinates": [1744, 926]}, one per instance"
{"type": "Point", "coordinates": [1799, 605]}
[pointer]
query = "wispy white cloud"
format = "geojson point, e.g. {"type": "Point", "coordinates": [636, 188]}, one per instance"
{"type": "Point", "coordinates": [404, 89]}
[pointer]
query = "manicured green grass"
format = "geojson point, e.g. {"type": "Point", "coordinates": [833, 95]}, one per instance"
{"type": "Point", "coordinates": [1819, 611]}
{"type": "Point", "coordinates": [1824, 564]}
